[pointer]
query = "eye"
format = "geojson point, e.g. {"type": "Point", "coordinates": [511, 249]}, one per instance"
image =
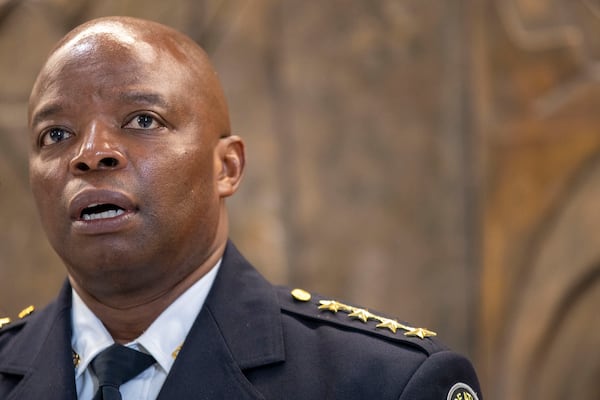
{"type": "Point", "coordinates": [54, 135]}
{"type": "Point", "coordinates": [143, 121]}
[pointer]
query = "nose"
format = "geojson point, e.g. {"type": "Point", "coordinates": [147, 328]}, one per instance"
{"type": "Point", "coordinates": [99, 150]}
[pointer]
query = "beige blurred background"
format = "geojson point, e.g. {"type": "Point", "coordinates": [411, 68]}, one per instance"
{"type": "Point", "coordinates": [437, 160]}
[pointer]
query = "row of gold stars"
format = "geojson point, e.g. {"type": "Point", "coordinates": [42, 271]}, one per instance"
{"type": "Point", "coordinates": [364, 316]}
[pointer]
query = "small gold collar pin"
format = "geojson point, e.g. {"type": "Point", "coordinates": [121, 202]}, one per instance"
{"type": "Point", "coordinates": [4, 321]}
{"type": "Point", "coordinates": [76, 358]}
{"type": "Point", "coordinates": [175, 353]}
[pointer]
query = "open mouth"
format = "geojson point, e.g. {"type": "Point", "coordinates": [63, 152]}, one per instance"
{"type": "Point", "coordinates": [101, 211]}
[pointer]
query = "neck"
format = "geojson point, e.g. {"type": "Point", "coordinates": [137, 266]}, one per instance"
{"type": "Point", "coordinates": [127, 323]}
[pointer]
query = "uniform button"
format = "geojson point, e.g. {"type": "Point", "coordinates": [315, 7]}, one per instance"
{"type": "Point", "coordinates": [301, 295]}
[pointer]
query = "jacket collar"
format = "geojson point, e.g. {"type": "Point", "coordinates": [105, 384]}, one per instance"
{"type": "Point", "coordinates": [246, 308]}
{"type": "Point", "coordinates": [41, 354]}
{"type": "Point", "coordinates": [238, 328]}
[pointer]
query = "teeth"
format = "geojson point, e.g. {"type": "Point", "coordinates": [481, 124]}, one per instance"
{"type": "Point", "coordinates": [103, 215]}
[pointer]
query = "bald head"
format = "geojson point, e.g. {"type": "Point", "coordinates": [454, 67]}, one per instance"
{"type": "Point", "coordinates": [129, 42]}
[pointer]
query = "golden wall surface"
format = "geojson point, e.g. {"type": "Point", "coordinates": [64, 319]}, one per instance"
{"type": "Point", "coordinates": [435, 160]}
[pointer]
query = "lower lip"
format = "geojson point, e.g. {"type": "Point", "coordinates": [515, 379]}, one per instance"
{"type": "Point", "coordinates": [105, 225]}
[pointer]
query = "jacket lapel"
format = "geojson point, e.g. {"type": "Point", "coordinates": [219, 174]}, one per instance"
{"type": "Point", "coordinates": [41, 355]}
{"type": "Point", "coordinates": [239, 327]}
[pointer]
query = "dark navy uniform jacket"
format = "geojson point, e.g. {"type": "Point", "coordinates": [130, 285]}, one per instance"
{"type": "Point", "coordinates": [251, 341]}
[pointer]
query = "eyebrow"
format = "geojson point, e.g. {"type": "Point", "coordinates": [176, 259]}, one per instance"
{"type": "Point", "coordinates": [144, 98]}
{"type": "Point", "coordinates": [45, 112]}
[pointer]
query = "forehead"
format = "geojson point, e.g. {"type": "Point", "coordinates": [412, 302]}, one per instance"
{"type": "Point", "coordinates": [109, 56]}
{"type": "Point", "coordinates": [111, 65]}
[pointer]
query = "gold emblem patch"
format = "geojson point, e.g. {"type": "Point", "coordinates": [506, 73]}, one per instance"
{"type": "Point", "coordinates": [461, 391]}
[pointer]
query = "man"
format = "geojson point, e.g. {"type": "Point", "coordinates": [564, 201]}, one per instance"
{"type": "Point", "coordinates": [130, 165]}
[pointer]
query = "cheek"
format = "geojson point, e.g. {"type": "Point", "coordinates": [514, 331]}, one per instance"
{"type": "Point", "coordinates": [181, 196]}
{"type": "Point", "coordinates": [47, 189]}
{"type": "Point", "coordinates": [196, 181]}
{"type": "Point", "coordinates": [44, 180]}
{"type": "Point", "coordinates": [177, 178]}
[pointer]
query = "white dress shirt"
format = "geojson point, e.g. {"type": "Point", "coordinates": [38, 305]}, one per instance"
{"type": "Point", "coordinates": [162, 340]}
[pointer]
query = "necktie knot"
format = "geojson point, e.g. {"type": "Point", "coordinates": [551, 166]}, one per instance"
{"type": "Point", "coordinates": [116, 365]}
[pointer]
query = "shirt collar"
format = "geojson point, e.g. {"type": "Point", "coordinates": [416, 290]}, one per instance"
{"type": "Point", "coordinates": [162, 339]}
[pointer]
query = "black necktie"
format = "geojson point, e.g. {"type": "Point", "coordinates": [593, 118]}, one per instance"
{"type": "Point", "coordinates": [115, 366]}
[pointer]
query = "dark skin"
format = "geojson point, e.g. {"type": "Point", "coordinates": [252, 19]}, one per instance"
{"type": "Point", "coordinates": [130, 165]}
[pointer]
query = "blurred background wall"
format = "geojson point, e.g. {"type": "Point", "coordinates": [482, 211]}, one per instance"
{"type": "Point", "coordinates": [437, 160]}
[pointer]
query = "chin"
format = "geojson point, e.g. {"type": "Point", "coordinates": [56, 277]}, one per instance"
{"type": "Point", "coordinates": [105, 282]}
{"type": "Point", "coordinates": [106, 266]}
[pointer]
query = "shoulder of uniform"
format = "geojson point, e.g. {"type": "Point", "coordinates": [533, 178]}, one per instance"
{"type": "Point", "coordinates": [8, 324]}
{"type": "Point", "coordinates": [303, 304]}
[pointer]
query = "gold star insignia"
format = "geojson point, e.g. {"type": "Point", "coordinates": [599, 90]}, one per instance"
{"type": "Point", "coordinates": [420, 332]}
{"type": "Point", "coordinates": [390, 324]}
{"type": "Point", "coordinates": [364, 315]}
{"type": "Point", "coordinates": [361, 314]}
{"type": "Point", "coordinates": [332, 305]}
{"type": "Point", "coordinates": [4, 321]}
{"type": "Point", "coordinates": [25, 312]}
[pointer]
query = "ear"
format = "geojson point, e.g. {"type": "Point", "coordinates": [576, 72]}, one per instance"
{"type": "Point", "coordinates": [231, 160]}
